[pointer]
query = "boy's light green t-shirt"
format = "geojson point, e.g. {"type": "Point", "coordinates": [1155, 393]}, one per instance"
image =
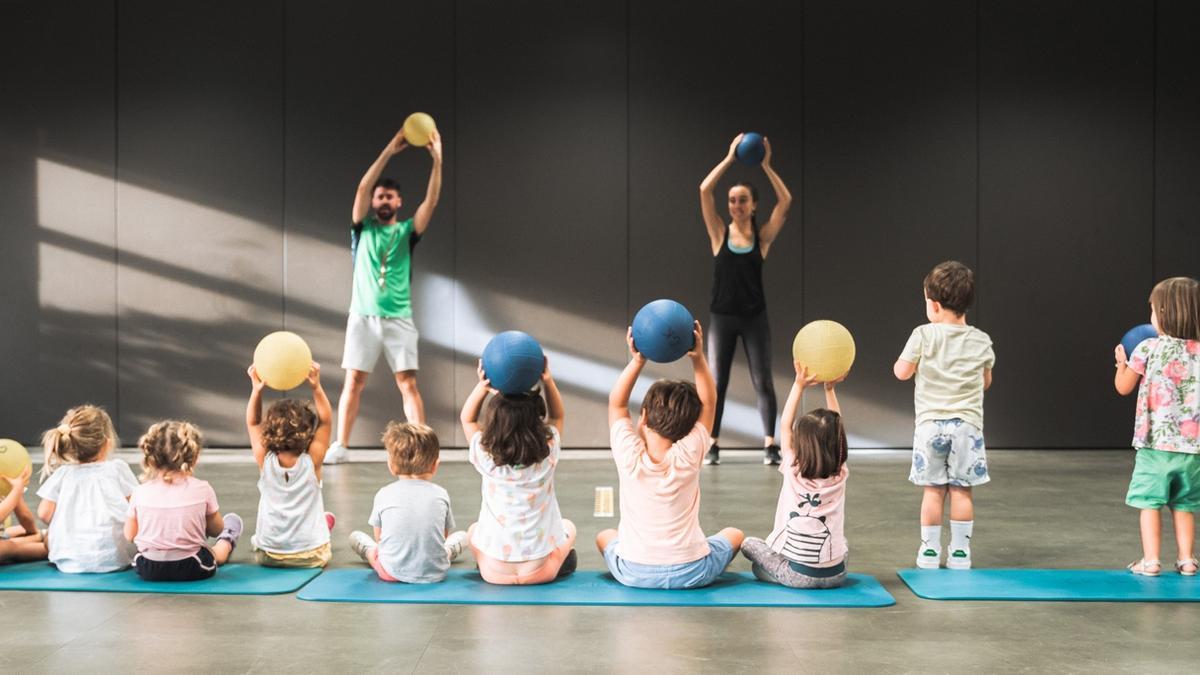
{"type": "Point", "coordinates": [950, 362]}
{"type": "Point", "coordinates": [378, 243]}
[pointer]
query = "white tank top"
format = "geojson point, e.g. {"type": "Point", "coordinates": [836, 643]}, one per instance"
{"type": "Point", "coordinates": [291, 512]}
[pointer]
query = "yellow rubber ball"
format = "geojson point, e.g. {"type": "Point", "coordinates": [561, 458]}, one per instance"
{"type": "Point", "coordinates": [14, 459]}
{"type": "Point", "coordinates": [826, 348]}
{"type": "Point", "coordinates": [418, 128]}
{"type": "Point", "coordinates": [282, 360]}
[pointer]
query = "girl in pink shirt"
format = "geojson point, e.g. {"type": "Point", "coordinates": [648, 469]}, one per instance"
{"type": "Point", "coordinates": [807, 548]}
{"type": "Point", "coordinates": [172, 514]}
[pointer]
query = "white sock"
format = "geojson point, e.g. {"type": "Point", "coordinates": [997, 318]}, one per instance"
{"type": "Point", "coordinates": [960, 535]}
{"type": "Point", "coordinates": [931, 537]}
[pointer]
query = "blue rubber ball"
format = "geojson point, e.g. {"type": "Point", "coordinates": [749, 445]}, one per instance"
{"type": "Point", "coordinates": [513, 361]}
{"type": "Point", "coordinates": [751, 149]}
{"type": "Point", "coordinates": [662, 331]}
{"type": "Point", "coordinates": [1134, 337]}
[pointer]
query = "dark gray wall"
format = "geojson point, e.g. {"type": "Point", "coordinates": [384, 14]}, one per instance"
{"type": "Point", "coordinates": [178, 183]}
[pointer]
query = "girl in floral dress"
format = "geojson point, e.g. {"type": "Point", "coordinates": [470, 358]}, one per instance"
{"type": "Point", "coordinates": [1166, 429]}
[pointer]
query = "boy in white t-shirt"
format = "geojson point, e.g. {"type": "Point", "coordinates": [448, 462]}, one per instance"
{"type": "Point", "coordinates": [953, 366]}
{"type": "Point", "coordinates": [411, 516]}
{"type": "Point", "coordinates": [659, 543]}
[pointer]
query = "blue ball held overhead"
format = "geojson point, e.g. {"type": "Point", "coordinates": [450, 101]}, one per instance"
{"type": "Point", "coordinates": [751, 149]}
{"type": "Point", "coordinates": [1134, 337]}
{"type": "Point", "coordinates": [662, 331]}
{"type": "Point", "coordinates": [513, 361]}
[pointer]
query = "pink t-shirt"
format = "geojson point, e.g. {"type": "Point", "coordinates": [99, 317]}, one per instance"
{"type": "Point", "coordinates": [171, 517]}
{"type": "Point", "coordinates": [810, 517]}
{"type": "Point", "coordinates": [660, 502]}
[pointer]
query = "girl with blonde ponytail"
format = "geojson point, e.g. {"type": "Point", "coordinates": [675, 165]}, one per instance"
{"type": "Point", "coordinates": [85, 493]}
{"type": "Point", "coordinates": [173, 513]}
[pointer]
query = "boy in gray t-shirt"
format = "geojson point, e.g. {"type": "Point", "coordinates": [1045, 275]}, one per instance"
{"type": "Point", "coordinates": [953, 366]}
{"type": "Point", "coordinates": [412, 516]}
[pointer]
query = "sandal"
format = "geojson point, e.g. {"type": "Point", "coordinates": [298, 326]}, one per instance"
{"type": "Point", "coordinates": [1145, 568]}
{"type": "Point", "coordinates": [1187, 567]}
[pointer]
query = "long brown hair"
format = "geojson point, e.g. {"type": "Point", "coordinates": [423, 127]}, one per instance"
{"type": "Point", "coordinates": [515, 432]}
{"type": "Point", "coordinates": [819, 441]}
{"type": "Point", "coordinates": [1176, 303]}
{"type": "Point", "coordinates": [79, 438]}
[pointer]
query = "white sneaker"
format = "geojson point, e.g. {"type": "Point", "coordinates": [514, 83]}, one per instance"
{"type": "Point", "coordinates": [337, 454]}
{"type": "Point", "coordinates": [929, 558]}
{"type": "Point", "coordinates": [455, 544]}
{"type": "Point", "coordinates": [959, 559]}
{"type": "Point", "coordinates": [360, 543]}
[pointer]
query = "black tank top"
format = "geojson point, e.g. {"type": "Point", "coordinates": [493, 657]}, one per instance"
{"type": "Point", "coordinates": [737, 280]}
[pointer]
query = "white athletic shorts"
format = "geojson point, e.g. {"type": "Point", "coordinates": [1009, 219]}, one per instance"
{"type": "Point", "coordinates": [366, 336]}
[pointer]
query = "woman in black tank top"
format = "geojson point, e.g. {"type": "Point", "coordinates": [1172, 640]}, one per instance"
{"type": "Point", "coordinates": [739, 307]}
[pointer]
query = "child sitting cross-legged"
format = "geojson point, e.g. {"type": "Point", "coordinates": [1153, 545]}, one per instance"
{"type": "Point", "coordinates": [658, 543]}
{"type": "Point", "coordinates": [411, 516]}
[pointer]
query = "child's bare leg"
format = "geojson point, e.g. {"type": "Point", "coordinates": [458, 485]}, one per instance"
{"type": "Point", "coordinates": [734, 536]}
{"type": "Point", "coordinates": [962, 504]}
{"type": "Point", "coordinates": [605, 536]}
{"type": "Point", "coordinates": [22, 549]}
{"type": "Point", "coordinates": [221, 551]}
{"type": "Point", "coordinates": [1185, 533]}
{"type": "Point", "coordinates": [1151, 524]}
{"type": "Point", "coordinates": [932, 504]}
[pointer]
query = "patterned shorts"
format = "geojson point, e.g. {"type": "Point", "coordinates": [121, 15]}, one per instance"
{"type": "Point", "coordinates": [948, 452]}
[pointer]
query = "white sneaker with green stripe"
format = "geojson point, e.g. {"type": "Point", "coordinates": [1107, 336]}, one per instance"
{"type": "Point", "coordinates": [929, 557]}
{"type": "Point", "coordinates": [959, 559]}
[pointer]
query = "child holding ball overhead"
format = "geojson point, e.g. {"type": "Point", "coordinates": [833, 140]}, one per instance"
{"type": "Point", "coordinates": [659, 543]}
{"type": "Point", "coordinates": [952, 363]}
{"type": "Point", "coordinates": [289, 445]}
{"type": "Point", "coordinates": [807, 547]}
{"type": "Point", "coordinates": [520, 537]}
{"type": "Point", "coordinates": [1166, 428]}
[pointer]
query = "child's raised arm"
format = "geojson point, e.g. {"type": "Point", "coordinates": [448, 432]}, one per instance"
{"type": "Point", "coordinates": [474, 403]}
{"type": "Point", "coordinates": [320, 441]}
{"type": "Point", "coordinates": [554, 402]}
{"type": "Point", "coordinates": [254, 417]}
{"type": "Point", "coordinates": [706, 386]}
{"type": "Point", "coordinates": [790, 407]}
{"type": "Point", "coordinates": [618, 399]}
{"type": "Point", "coordinates": [1126, 379]}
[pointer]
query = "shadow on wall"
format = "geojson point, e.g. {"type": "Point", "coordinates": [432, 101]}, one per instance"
{"type": "Point", "coordinates": [189, 321]}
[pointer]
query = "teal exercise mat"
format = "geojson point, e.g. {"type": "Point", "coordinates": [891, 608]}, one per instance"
{"type": "Point", "coordinates": [589, 587]}
{"type": "Point", "coordinates": [232, 579]}
{"type": "Point", "coordinates": [1050, 585]}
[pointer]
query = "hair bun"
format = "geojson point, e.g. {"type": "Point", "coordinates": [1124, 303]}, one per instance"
{"type": "Point", "coordinates": [64, 429]}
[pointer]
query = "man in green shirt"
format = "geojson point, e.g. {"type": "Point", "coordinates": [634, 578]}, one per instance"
{"type": "Point", "coordinates": [381, 303]}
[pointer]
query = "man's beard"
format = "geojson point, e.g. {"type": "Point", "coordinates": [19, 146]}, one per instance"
{"type": "Point", "coordinates": [385, 212]}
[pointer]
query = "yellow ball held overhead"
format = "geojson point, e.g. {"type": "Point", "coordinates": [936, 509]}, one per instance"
{"type": "Point", "coordinates": [282, 360]}
{"type": "Point", "coordinates": [14, 459]}
{"type": "Point", "coordinates": [418, 128]}
{"type": "Point", "coordinates": [826, 348]}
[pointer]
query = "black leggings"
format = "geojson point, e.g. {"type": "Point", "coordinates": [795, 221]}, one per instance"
{"type": "Point", "coordinates": [723, 332]}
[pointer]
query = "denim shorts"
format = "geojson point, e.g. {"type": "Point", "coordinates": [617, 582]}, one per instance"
{"type": "Point", "coordinates": [692, 574]}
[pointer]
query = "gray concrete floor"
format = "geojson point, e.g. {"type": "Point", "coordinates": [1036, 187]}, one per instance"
{"type": "Point", "coordinates": [1042, 509]}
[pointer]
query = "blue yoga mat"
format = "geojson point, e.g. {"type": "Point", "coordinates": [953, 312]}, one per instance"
{"type": "Point", "coordinates": [230, 579]}
{"type": "Point", "coordinates": [1064, 585]}
{"type": "Point", "coordinates": [590, 587]}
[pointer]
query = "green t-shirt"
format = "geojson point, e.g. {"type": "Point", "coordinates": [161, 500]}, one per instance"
{"type": "Point", "coordinates": [383, 252]}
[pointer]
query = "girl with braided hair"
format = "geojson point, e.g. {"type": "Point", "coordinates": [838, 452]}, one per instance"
{"type": "Point", "coordinates": [172, 513]}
